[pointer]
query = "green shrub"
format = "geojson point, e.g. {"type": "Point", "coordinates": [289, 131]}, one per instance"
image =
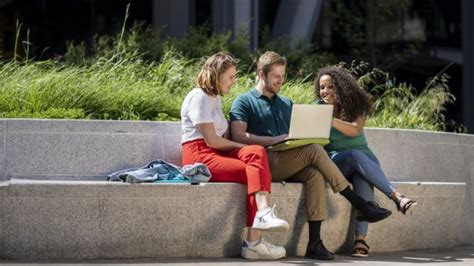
{"type": "Point", "coordinates": [108, 89]}
{"type": "Point", "coordinates": [400, 105]}
{"type": "Point", "coordinates": [138, 75]}
{"type": "Point", "coordinates": [51, 113]}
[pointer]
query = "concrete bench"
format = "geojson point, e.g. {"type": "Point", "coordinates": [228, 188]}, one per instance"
{"type": "Point", "coordinates": [55, 206]}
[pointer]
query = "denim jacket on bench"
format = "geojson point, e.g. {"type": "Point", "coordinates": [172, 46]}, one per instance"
{"type": "Point", "coordinates": [162, 171]}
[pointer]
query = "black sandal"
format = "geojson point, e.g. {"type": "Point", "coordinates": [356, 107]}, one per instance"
{"type": "Point", "coordinates": [361, 249]}
{"type": "Point", "coordinates": [404, 203]}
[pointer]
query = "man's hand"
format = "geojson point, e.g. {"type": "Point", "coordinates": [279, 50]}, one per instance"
{"type": "Point", "coordinates": [279, 138]}
{"type": "Point", "coordinates": [239, 133]}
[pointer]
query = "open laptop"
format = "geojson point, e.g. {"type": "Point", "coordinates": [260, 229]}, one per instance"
{"type": "Point", "coordinates": [309, 124]}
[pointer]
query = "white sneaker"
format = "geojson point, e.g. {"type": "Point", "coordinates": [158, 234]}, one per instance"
{"type": "Point", "coordinates": [262, 251]}
{"type": "Point", "coordinates": [266, 220]}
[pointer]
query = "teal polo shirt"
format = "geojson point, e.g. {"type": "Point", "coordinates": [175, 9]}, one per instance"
{"type": "Point", "coordinates": [264, 116]}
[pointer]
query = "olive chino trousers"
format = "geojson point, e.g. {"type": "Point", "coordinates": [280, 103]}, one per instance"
{"type": "Point", "coordinates": [312, 166]}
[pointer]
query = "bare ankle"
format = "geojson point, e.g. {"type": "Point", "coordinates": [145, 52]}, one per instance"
{"type": "Point", "coordinates": [395, 196]}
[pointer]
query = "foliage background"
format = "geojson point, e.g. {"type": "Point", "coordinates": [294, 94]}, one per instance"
{"type": "Point", "coordinates": [141, 75]}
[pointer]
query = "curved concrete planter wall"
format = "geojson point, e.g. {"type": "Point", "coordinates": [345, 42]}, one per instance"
{"type": "Point", "coordinates": [55, 151]}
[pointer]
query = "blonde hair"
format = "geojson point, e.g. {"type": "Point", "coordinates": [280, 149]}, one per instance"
{"type": "Point", "coordinates": [269, 59]}
{"type": "Point", "coordinates": [209, 77]}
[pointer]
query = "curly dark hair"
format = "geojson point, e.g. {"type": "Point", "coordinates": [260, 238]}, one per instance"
{"type": "Point", "coordinates": [353, 101]}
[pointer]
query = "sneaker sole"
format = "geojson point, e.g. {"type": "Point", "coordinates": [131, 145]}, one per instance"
{"type": "Point", "coordinates": [282, 228]}
{"type": "Point", "coordinates": [255, 256]}
{"type": "Point", "coordinates": [358, 255]}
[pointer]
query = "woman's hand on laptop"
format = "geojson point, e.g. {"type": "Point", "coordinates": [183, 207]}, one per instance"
{"type": "Point", "coordinates": [280, 138]}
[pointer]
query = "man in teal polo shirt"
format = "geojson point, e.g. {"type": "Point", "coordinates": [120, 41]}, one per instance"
{"type": "Point", "coordinates": [261, 116]}
{"type": "Point", "coordinates": [269, 117]}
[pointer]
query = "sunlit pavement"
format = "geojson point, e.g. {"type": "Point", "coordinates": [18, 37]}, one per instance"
{"type": "Point", "coordinates": [455, 256]}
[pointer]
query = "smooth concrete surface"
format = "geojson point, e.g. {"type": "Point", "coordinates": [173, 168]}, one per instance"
{"type": "Point", "coordinates": [455, 256]}
{"type": "Point", "coordinates": [3, 154]}
{"type": "Point", "coordinates": [466, 230]}
{"type": "Point", "coordinates": [59, 149]}
{"type": "Point", "coordinates": [54, 220]}
{"type": "Point", "coordinates": [429, 156]}
{"type": "Point", "coordinates": [89, 150]}
{"type": "Point", "coordinates": [82, 149]}
{"type": "Point", "coordinates": [3, 186]}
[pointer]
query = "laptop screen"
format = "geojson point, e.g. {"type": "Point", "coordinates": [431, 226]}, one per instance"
{"type": "Point", "coordinates": [310, 121]}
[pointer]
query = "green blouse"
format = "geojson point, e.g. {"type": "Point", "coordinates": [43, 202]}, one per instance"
{"type": "Point", "coordinates": [339, 142]}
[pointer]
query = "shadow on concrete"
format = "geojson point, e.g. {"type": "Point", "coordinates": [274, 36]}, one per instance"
{"type": "Point", "coordinates": [455, 256]}
{"type": "Point", "coordinates": [291, 244]}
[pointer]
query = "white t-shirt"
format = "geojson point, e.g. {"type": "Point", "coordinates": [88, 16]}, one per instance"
{"type": "Point", "coordinates": [198, 108]}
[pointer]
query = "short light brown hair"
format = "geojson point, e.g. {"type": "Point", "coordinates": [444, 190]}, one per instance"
{"type": "Point", "coordinates": [269, 59]}
{"type": "Point", "coordinates": [215, 65]}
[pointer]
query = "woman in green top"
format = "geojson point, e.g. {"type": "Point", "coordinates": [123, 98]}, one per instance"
{"type": "Point", "coordinates": [348, 145]}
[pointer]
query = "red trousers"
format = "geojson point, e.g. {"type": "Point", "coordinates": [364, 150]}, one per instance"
{"type": "Point", "coordinates": [248, 165]}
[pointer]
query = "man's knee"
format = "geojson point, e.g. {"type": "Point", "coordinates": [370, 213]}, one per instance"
{"type": "Point", "coordinates": [315, 147]}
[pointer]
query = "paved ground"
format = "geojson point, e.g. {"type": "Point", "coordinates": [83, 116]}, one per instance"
{"type": "Point", "coordinates": [455, 256]}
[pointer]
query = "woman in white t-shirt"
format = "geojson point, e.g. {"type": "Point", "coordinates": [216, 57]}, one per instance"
{"type": "Point", "coordinates": [204, 129]}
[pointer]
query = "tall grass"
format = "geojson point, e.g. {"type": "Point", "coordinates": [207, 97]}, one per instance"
{"type": "Point", "coordinates": [123, 78]}
{"type": "Point", "coordinates": [130, 89]}
{"type": "Point", "coordinates": [400, 105]}
{"type": "Point", "coordinates": [108, 89]}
